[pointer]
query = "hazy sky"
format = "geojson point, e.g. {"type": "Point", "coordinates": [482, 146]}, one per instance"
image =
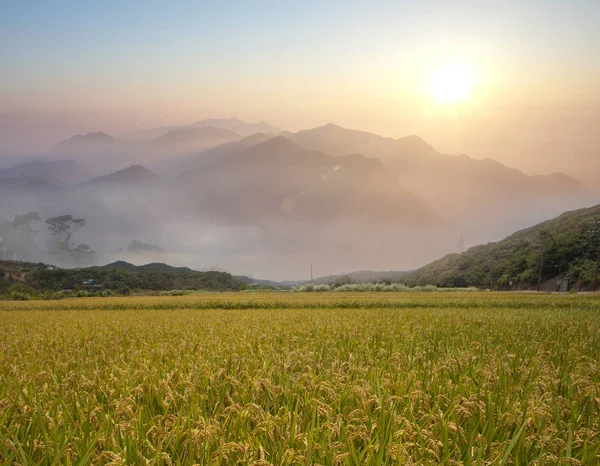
{"type": "Point", "coordinates": [121, 65]}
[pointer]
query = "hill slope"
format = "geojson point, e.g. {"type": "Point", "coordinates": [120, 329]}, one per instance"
{"type": "Point", "coordinates": [569, 244]}
{"type": "Point", "coordinates": [189, 139]}
{"type": "Point", "coordinates": [480, 194]}
{"type": "Point", "coordinates": [239, 126]}
{"type": "Point", "coordinates": [153, 267]}
{"type": "Point", "coordinates": [129, 175]}
{"type": "Point", "coordinates": [67, 171]}
{"type": "Point", "coordinates": [278, 178]}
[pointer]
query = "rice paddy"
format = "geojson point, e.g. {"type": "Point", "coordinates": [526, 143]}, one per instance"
{"type": "Point", "coordinates": [302, 379]}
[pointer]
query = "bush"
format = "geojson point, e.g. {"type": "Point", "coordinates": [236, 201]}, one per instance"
{"type": "Point", "coordinates": [376, 287]}
{"type": "Point", "coordinates": [19, 296]}
{"type": "Point", "coordinates": [175, 293]}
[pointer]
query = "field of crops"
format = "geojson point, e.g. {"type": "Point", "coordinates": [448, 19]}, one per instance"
{"type": "Point", "coordinates": [294, 378]}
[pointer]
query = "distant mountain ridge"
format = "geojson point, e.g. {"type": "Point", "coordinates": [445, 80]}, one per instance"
{"type": "Point", "coordinates": [152, 267]}
{"type": "Point", "coordinates": [66, 171]}
{"type": "Point", "coordinates": [465, 189]}
{"type": "Point", "coordinates": [102, 150]}
{"type": "Point", "coordinates": [233, 124]}
{"type": "Point", "coordinates": [238, 126]}
{"type": "Point", "coordinates": [130, 175]}
{"type": "Point", "coordinates": [280, 178]}
{"type": "Point", "coordinates": [336, 140]}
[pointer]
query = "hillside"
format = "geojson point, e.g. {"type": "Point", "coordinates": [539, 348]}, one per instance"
{"type": "Point", "coordinates": [153, 267]}
{"type": "Point", "coordinates": [238, 126]}
{"type": "Point", "coordinates": [188, 139]}
{"type": "Point", "coordinates": [361, 276]}
{"type": "Point", "coordinates": [233, 124]}
{"type": "Point", "coordinates": [21, 185]}
{"type": "Point", "coordinates": [127, 176]}
{"type": "Point", "coordinates": [66, 171]}
{"type": "Point", "coordinates": [570, 243]}
{"type": "Point", "coordinates": [465, 189]}
{"type": "Point", "coordinates": [29, 278]}
{"type": "Point", "coordinates": [180, 164]}
{"type": "Point", "coordinates": [335, 140]}
{"type": "Point", "coordinates": [280, 179]}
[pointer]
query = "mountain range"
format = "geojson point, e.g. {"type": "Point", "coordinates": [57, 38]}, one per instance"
{"type": "Point", "coordinates": [233, 124]}
{"type": "Point", "coordinates": [346, 196]}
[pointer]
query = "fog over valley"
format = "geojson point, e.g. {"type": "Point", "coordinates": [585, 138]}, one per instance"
{"type": "Point", "coordinates": [258, 200]}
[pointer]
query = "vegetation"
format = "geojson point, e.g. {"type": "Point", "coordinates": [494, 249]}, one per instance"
{"type": "Point", "coordinates": [21, 280]}
{"type": "Point", "coordinates": [568, 244]}
{"type": "Point", "coordinates": [374, 287]}
{"type": "Point", "coordinates": [331, 379]}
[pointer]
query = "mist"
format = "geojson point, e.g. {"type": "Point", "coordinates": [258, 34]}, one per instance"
{"type": "Point", "coordinates": [285, 136]}
{"type": "Point", "coordinates": [271, 204]}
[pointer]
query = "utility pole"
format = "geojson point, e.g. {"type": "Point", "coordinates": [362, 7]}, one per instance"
{"type": "Point", "coordinates": [539, 287]}
{"type": "Point", "coordinates": [596, 272]}
{"type": "Point", "coordinates": [595, 232]}
{"type": "Point", "coordinates": [311, 275]}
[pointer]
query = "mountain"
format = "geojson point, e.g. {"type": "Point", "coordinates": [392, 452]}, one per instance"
{"type": "Point", "coordinates": [153, 267]}
{"type": "Point", "coordinates": [190, 139]}
{"type": "Point", "coordinates": [65, 171]}
{"type": "Point", "coordinates": [233, 124]}
{"type": "Point", "coordinates": [568, 245]}
{"type": "Point", "coordinates": [97, 152]}
{"type": "Point", "coordinates": [479, 194]}
{"type": "Point", "coordinates": [279, 179]}
{"type": "Point", "coordinates": [362, 276]}
{"type": "Point", "coordinates": [85, 142]}
{"type": "Point", "coordinates": [334, 139]}
{"type": "Point", "coordinates": [238, 126]}
{"type": "Point", "coordinates": [148, 134]}
{"type": "Point", "coordinates": [190, 162]}
{"type": "Point", "coordinates": [132, 175]}
{"type": "Point", "coordinates": [26, 184]}
{"type": "Point", "coordinates": [100, 151]}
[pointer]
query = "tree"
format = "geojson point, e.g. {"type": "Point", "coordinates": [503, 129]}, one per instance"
{"type": "Point", "coordinates": [62, 229]}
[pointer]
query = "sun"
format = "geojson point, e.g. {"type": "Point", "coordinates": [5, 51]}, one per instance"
{"type": "Point", "coordinates": [451, 84]}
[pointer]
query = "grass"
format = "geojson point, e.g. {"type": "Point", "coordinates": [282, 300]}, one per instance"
{"type": "Point", "coordinates": [316, 378]}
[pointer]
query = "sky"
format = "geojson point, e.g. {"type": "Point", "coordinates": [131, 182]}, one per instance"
{"type": "Point", "coordinates": [115, 66]}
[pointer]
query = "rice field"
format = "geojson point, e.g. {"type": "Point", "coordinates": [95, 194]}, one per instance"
{"type": "Point", "coordinates": [302, 379]}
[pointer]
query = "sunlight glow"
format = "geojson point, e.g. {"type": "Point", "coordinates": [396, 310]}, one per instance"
{"type": "Point", "coordinates": [451, 84]}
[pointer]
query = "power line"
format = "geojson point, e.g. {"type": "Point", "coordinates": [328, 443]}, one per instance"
{"type": "Point", "coordinates": [461, 243]}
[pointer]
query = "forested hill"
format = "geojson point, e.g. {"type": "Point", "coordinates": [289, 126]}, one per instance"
{"type": "Point", "coordinates": [29, 278]}
{"type": "Point", "coordinates": [570, 243]}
